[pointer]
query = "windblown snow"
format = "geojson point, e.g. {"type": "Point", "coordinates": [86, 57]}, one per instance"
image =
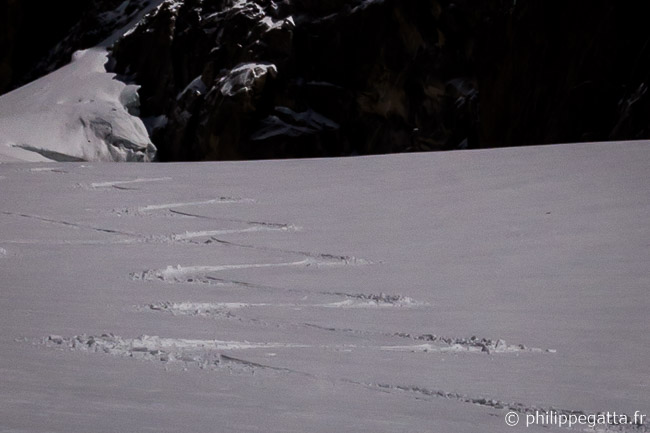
{"type": "Point", "coordinates": [76, 113]}
{"type": "Point", "coordinates": [404, 293]}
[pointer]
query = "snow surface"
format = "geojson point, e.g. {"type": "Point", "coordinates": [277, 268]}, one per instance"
{"type": "Point", "coordinates": [77, 113]}
{"type": "Point", "coordinates": [404, 293]}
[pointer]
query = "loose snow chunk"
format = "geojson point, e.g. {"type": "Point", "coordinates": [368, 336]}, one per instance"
{"type": "Point", "coordinates": [245, 78]}
{"type": "Point", "coordinates": [270, 24]}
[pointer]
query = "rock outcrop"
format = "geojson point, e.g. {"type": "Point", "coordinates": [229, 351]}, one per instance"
{"type": "Point", "coordinates": [268, 79]}
{"type": "Point", "coordinates": [242, 79]}
{"type": "Point", "coordinates": [558, 72]}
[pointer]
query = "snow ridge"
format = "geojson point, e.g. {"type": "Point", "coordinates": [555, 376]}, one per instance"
{"type": "Point", "coordinates": [79, 112]}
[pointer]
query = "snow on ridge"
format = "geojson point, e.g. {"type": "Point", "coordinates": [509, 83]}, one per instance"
{"type": "Point", "coordinates": [79, 112]}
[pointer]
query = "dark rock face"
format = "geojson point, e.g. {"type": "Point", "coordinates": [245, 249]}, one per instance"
{"type": "Point", "coordinates": [242, 79]}
{"type": "Point", "coordinates": [269, 79]}
{"type": "Point", "coordinates": [558, 72]}
{"type": "Point", "coordinates": [28, 29]}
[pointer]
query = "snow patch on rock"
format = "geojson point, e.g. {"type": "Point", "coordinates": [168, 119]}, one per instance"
{"type": "Point", "coordinates": [246, 78]}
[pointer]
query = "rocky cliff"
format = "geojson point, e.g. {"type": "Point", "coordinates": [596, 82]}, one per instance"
{"type": "Point", "coordinates": [269, 79]}
{"type": "Point", "coordinates": [240, 79]}
{"type": "Point", "coordinates": [556, 72]}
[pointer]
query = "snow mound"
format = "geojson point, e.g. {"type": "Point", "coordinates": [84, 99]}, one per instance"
{"type": "Point", "coordinates": [77, 113]}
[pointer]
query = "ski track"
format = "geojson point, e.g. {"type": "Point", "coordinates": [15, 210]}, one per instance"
{"type": "Point", "coordinates": [185, 237]}
{"type": "Point", "coordinates": [71, 224]}
{"type": "Point", "coordinates": [167, 206]}
{"type": "Point", "coordinates": [191, 274]}
{"type": "Point", "coordinates": [110, 343]}
{"type": "Point", "coordinates": [208, 355]}
{"type": "Point", "coordinates": [349, 260]}
{"type": "Point", "coordinates": [224, 309]}
{"type": "Point", "coordinates": [437, 343]}
{"type": "Point", "coordinates": [155, 348]}
{"type": "Point", "coordinates": [225, 282]}
{"type": "Point", "coordinates": [124, 188]}
{"type": "Point", "coordinates": [423, 393]}
{"type": "Point", "coordinates": [168, 209]}
{"type": "Point", "coordinates": [48, 170]}
{"type": "Point", "coordinates": [210, 233]}
{"type": "Point", "coordinates": [194, 237]}
{"type": "Point", "coordinates": [201, 274]}
{"type": "Point", "coordinates": [230, 360]}
{"type": "Point", "coordinates": [463, 345]}
{"type": "Point", "coordinates": [228, 355]}
{"type": "Point", "coordinates": [189, 352]}
{"type": "Point", "coordinates": [115, 241]}
{"type": "Point", "coordinates": [432, 343]}
{"type": "Point", "coordinates": [378, 301]}
{"type": "Point", "coordinates": [119, 183]}
{"type": "Point", "coordinates": [472, 344]}
{"type": "Point", "coordinates": [235, 220]}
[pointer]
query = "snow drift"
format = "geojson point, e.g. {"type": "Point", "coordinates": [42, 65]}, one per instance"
{"type": "Point", "coordinates": [76, 113]}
